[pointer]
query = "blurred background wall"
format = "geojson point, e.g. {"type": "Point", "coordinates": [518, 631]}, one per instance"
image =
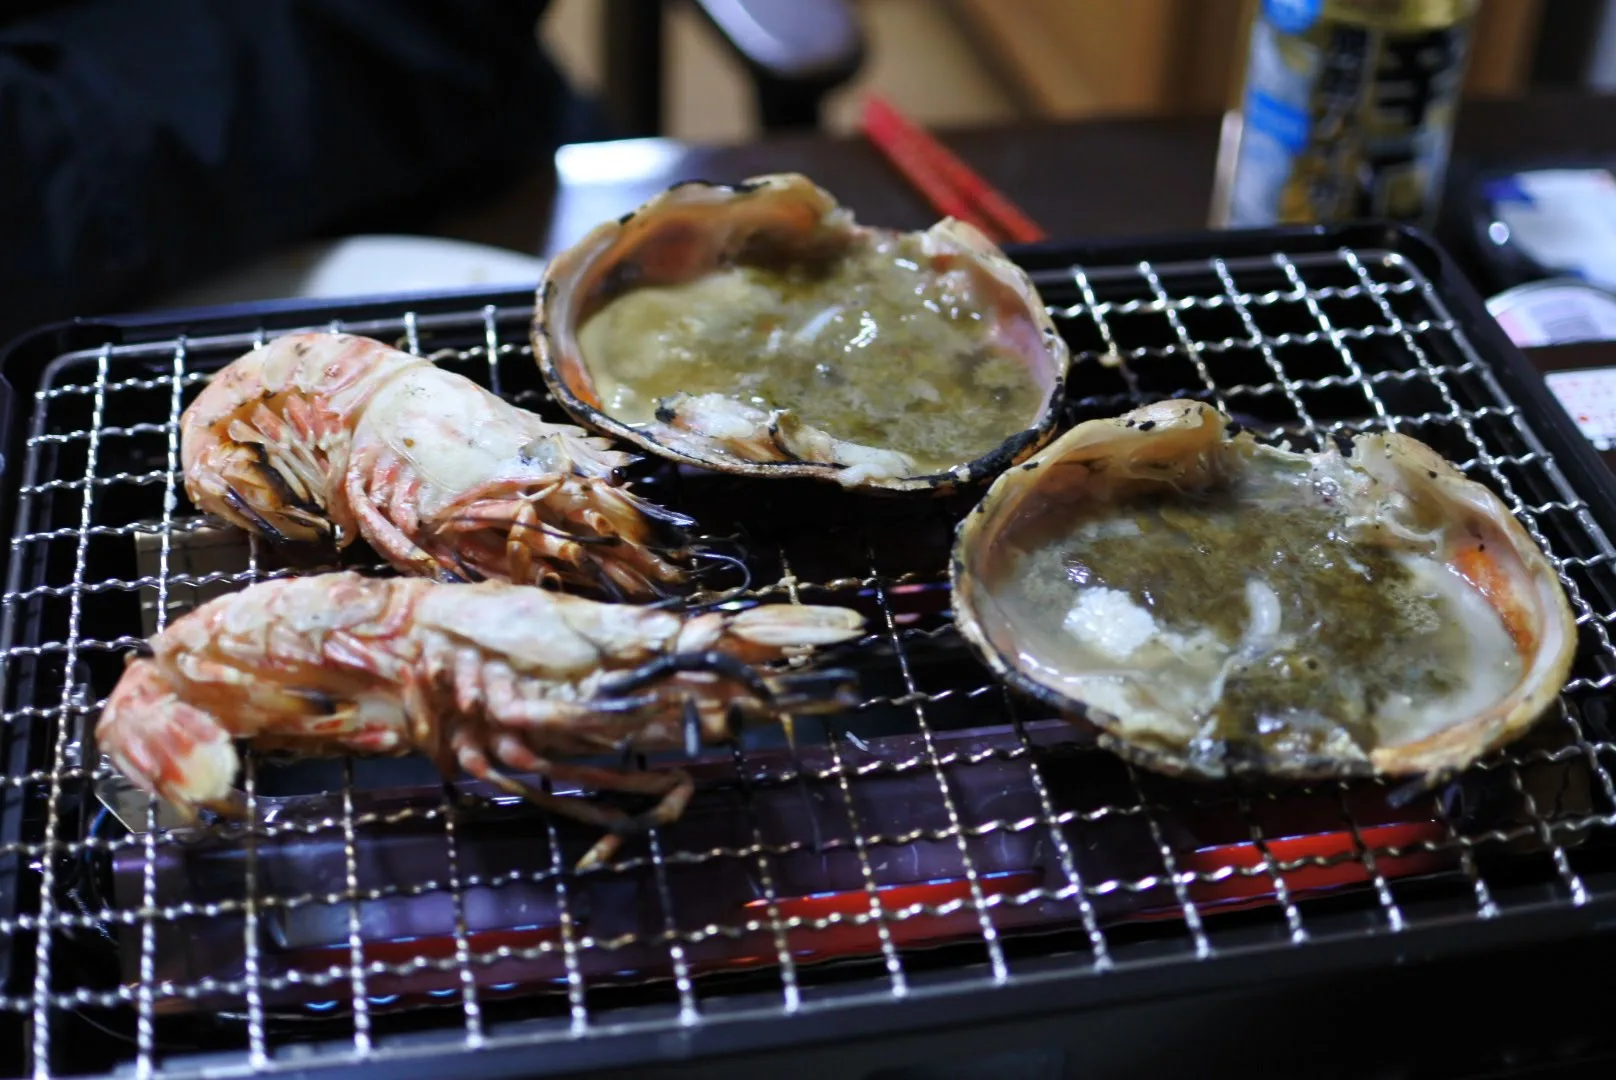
{"type": "Point", "coordinates": [965, 62]}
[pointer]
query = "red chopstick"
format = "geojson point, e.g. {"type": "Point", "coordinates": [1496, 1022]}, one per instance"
{"type": "Point", "coordinates": [946, 182]}
{"type": "Point", "coordinates": [911, 159]}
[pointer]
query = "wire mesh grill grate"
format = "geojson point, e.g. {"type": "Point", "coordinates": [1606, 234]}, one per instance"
{"type": "Point", "coordinates": [942, 830]}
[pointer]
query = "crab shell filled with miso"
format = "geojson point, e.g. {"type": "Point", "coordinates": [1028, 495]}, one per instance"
{"type": "Point", "coordinates": [1219, 607]}
{"type": "Point", "coordinates": [758, 329]}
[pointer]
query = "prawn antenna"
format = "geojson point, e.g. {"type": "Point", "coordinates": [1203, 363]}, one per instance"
{"type": "Point", "coordinates": [788, 727]}
{"type": "Point", "coordinates": [1405, 793]}
{"type": "Point", "coordinates": [708, 660]}
{"type": "Point", "coordinates": [736, 720]}
{"type": "Point", "coordinates": [604, 582]}
{"type": "Point", "coordinates": [245, 509]}
{"type": "Point", "coordinates": [467, 571]}
{"type": "Point", "coordinates": [720, 561]}
{"type": "Point", "coordinates": [692, 725]}
{"type": "Point", "coordinates": [659, 513]}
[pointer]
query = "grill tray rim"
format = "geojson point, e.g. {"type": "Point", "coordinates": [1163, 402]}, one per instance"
{"type": "Point", "coordinates": [728, 1031]}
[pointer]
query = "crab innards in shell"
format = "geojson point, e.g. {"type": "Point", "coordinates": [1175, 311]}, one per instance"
{"type": "Point", "coordinates": [758, 329]}
{"type": "Point", "coordinates": [1216, 606]}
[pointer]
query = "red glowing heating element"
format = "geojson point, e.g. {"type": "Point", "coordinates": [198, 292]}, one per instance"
{"type": "Point", "coordinates": [1329, 860]}
{"type": "Point", "coordinates": [904, 928]}
{"type": "Point", "coordinates": [832, 925]}
{"type": "Point", "coordinates": [1244, 878]}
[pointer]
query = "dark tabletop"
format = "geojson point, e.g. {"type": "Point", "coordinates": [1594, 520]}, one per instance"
{"type": "Point", "coordinates": [1097, 178]}
{"type": "Point", "coordinates": [1081, 179]}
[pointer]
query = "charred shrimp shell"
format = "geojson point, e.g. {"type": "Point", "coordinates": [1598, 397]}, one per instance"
{"type": "Point", "coordinates": [495, 680]}
{"type": "Point", "coordinates": [1218, 607]}
{"type": "Point", "coordinates": [326, 436]}
{"type": "Point", "coordinates": [758, 329]}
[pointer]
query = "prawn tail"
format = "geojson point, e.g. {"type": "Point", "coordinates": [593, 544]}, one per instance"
{"type": "Point", "coordinates": [165, 746]}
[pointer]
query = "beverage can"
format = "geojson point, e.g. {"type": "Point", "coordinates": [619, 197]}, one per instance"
{"type": "Point", "coordinates": [1346, 111]}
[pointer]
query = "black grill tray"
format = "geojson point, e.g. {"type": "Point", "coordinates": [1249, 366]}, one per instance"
{"type": "Point", "coordinates": [1156, 970]}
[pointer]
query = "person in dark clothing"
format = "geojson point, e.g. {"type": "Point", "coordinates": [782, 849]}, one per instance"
{"type": "Point", "coordinates": [146, 146]}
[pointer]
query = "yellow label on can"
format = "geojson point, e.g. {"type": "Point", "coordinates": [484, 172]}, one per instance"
{"type": "Point", "coordinates": [1399, 16]}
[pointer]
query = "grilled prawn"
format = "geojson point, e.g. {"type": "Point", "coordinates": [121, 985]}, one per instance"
{"type": "Point", "coordinates": [481, 677]}
{"type": "Point", "coordinates": [333, 436]}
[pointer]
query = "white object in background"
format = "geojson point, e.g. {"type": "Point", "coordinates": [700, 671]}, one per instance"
{"type": "Point", "coordinates": [1563, 219]}
{"type": "Point", "coordinates": [1589, 395]}
{"type": "Point", "coordinates": [1555, 312]}
{"type": "Point", "coordinates": [1601, 73]}
{"type": "Point", "coordinates": [597, 181]}
{"type": "Point", "coordinates": [364, 266]}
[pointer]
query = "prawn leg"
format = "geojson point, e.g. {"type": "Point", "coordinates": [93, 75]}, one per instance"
{"type": "Point", "coordinates": [383, 535]}
{"type": "Point", "coordinates": [674, 786]}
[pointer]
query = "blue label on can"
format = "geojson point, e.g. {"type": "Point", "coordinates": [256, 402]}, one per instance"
{"type": "Point", "coordinates": [1292, 16]}
{"type": "Point", "coordinates": [1287, 124]}
{"type": "Point", "coordinates": [1508, 189]}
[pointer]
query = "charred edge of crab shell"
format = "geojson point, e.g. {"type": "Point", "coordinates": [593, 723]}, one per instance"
{"type": "Point", "coordinates": [574, 261]}
{"type": "Point", "coordinates": [1435, 758]}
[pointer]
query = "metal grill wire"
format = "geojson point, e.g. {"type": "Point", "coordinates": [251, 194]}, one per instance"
{"type": "Point", "coordinates": [1303, 347]}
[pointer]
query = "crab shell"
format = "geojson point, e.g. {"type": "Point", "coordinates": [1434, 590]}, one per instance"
{"type": "Point", "coordinates": [697, 226]}
{"type": "Point", "coordinates": [1179, 442]}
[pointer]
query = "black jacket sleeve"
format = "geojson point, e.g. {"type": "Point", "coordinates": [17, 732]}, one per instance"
{"type": "Point", "coordinates": [146, 145]}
